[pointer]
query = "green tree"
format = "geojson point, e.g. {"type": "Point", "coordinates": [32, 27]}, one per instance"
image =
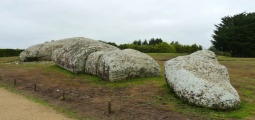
{"type": "Point", "coordinates": [110, 43]}
{"type": "Point", "coordinates": [139, 42]}
{"type": "Point", "coordinates": [178, 47]}
{"type": "Point", "coordinates": [124, 46]}
{"type": "Point", "coordinates": [158, 41]}
{"type": "Point", "coordinates": [194, 48]}
{"type": "Point", "coordinates": [213, 49]}
{"type": "Point", "coordinates": [159, 46]}
{"type": "Point", "coordinates": [135, 42]}
{"type": "Point", "coordinates": [145, 42]}
{"type": "Point", "coordinates": [155, 41]}
{"type": "Point", "coordinates": [152, 41]}
{"type": "Point", "coordinates": [164, 48]}
{"type": "Point", "coordinates": [236, 35]}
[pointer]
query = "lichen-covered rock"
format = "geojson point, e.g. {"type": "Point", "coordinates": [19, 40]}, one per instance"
{"type": "Point", "coordinates": [43, 52]}
{"type": "Point", "coordinates": [91, 65]}
{"type": "Point", "coordinates": [73, 56]}
{"type": "Point", "coordinates": [31, 53]}
{"type": "Point", "coordinates": [83, 55]}
{"type": "Point", "coordinates": [199, 79]}
{"type": "Point", "coordinates": [121, 64]}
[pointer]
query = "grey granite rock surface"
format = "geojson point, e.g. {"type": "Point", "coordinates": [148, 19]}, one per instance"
{"type": "Point", "coordinates": [199, 79]}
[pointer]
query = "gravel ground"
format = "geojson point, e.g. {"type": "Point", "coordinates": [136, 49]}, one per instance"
{"type": "Point", "coordinates": [17, 107]}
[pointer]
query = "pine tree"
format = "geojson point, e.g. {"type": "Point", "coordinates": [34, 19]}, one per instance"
{"type": "Point", "coordinates": [236, 34]}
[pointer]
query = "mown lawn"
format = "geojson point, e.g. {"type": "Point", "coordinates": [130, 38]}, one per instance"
{"type": "Point", "coordinates": [242, 77]}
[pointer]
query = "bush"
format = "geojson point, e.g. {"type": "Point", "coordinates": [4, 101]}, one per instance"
{"type": "Point", "coordinates": [219, 53]}
{"type": "Point", "coordinates": [10, 52]}
{"type": "Point", "coordinates": [227, 54]}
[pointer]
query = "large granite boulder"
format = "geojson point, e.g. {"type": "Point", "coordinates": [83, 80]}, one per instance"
{"type": "Point", "coordinates": [73, 56]}
{"type": "Point", "coordinates": [121, 64]}
{"type": "Point", "coordinates": [91, 65]}
{"type": "Point", "coordinates": [83, 55]}
{"type": "Point", "coordinates": [43, 52]}
{"type": "Point", "coordinates": [199, 79]}
{"type": "Point", "coordinates": [31, 53]}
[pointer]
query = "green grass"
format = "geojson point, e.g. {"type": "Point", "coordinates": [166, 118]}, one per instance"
{"type": "Point", "coordinates": [242, 78]}
{"type": "Point", "coordinates": [8, 59]}
{"type": "Point", "coordinates": [224, 58]}
{"type": "Point", "coordinates": [9, 88]}
{"type": "Point", "coordinates": [167, 97]}
{"type": "Point", "coordinates": [241, 73]}
{"type": "Point", "coordinates": [97, 81]}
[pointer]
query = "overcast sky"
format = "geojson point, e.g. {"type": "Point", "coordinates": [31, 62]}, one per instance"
{"type": "Point", "coordinates": [27, 22]}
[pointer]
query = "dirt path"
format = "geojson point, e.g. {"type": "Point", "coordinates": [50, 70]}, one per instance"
{"type": "Point", "coordinates": [17, 107]}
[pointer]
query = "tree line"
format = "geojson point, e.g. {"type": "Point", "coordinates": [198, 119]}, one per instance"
{"type": "Point", "coordinates": [154, 45]}
{"type": "Point", "coordinates": [157, 45]}
{"type": "Point", "coordinates": [10, 52]}
{"type": "Point", "coordinates": [236, 35]}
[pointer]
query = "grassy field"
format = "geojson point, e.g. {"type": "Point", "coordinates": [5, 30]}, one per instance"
{"type": "Point", "coordinates": [134, 97]}
{"type": "Point", "coordinates": [242, 77]}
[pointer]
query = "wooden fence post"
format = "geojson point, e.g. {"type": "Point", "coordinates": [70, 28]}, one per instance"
{"type": "Point", "coordinates": [109, 107]}
{"type": "Point", "coordinates": [15, 82]}
{"type": "Point", "coordinates": [34, 86]}
{"type": "Point", "coordinates": [64, 95]}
